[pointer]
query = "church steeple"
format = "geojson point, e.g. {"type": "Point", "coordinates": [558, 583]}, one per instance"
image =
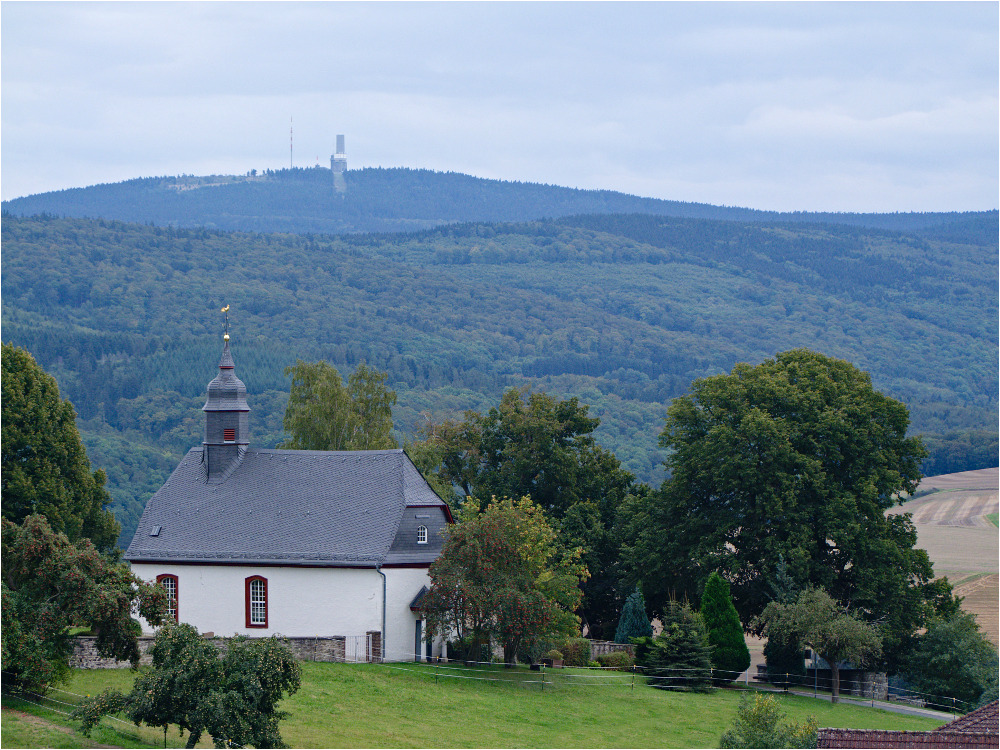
{"type": "Point", "coordinates": [227, 432]}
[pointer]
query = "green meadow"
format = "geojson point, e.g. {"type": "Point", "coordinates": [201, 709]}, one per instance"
{"type": "Point", "coordinates": [409, 705]}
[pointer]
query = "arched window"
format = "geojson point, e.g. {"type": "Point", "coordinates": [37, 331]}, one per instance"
{"type": "Point", "coordinates": [421, 535]}
{"type": "Point", "coordinates": [169, 583]}
{"type": "Point", "coordinates": [256, 597]}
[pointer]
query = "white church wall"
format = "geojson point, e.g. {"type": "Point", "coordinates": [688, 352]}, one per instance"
{"type": "Point", "coordinates": [300, 601]}
{"type": "Point", "coordinates": [402, 586]}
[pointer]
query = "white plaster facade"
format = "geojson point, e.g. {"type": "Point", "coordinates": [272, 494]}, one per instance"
{"type": "Point", "coordinates": [301, 601]}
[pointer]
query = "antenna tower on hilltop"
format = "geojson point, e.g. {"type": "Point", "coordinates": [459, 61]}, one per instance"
{"type": "Point", "coordinates": [291, 163]}
{"type": "Point", "coordinates": [338, 164]}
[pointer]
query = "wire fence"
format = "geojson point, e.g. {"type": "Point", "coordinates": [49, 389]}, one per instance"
{"type": "Point", "coordinates": [855, 691]}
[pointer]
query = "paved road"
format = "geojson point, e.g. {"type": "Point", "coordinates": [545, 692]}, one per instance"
{"type": "Point", "coordinates": [896, 708]}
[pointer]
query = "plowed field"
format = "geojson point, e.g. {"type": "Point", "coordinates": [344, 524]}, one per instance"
{"type": "Point", "coordinates": [950, 512]}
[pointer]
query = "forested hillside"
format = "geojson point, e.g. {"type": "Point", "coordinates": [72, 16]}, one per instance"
{"type": "Point", "coordinates": [399, 200]}
{"type": "Point", "coordinates": [622, 311]}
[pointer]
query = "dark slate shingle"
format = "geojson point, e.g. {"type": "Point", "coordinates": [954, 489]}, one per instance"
{"type": "Point", "coordinates": [336, 508]}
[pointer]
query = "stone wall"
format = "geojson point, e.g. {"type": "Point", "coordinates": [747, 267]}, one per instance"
{"type": "Point", "coordinates": [600, 648]}
{"type": "Point", "coordinates": [325, 648]}
{"type": "Point", "coordinates": [85, 654]}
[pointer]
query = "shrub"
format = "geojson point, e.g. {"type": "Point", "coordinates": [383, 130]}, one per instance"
{"type": "Point", "coordinates": [785, 664]}
{"type": "Point", "coordinates": [464, 651]}
{"type": "Point", "coordinates": [621, 660]}
{"type": "Point", "coordinates": [593, 663]}
{"type": "Point", "coordinates": [554, 654]}
{"type": "Point", "coordinates": [576, 652]}
{"type": "Point", "coordinates": [730, 655]}
{"type": "Point", "coordinates": [758, 724]}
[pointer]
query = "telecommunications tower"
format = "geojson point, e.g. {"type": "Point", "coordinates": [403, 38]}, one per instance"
{"type": "Point", "coordinates": [338, 164]}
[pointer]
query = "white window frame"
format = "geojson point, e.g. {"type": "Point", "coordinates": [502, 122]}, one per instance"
{"type": "Point", "coordinates": [421, 534]}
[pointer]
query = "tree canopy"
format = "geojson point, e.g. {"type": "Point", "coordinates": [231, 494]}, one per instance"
{"type": "Point", "coordinates": [49, 585]}
{"type": "Point", "coordinates": [44, 464]}
{"type": "Point", "coordinates": [501, 576]}
{"type": "Point", "coordinates": [534, 444]}
{"type": "Point", "coordinates": [794, 460]}
{"type": "Point", "coordinates": [953, 659]}
{"type": "Point", "coordinates": [233, 696]}
{"type": "Point", "coordinates": [325, 415]}
{"type": "Point", "coordinates": [817, 621]}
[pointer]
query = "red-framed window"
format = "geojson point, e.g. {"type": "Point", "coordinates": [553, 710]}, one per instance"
{"type": "Point", "coordinates": [169, 583]}
{"type": "Point", "coordinates": [256, 600]}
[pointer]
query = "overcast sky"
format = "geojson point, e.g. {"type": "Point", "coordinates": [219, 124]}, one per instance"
{"type": "Point", "coordinates": [789, 106]}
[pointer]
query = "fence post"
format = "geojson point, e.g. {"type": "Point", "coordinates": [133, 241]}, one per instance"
{"type": "Point", "coordinates": [633, 678]}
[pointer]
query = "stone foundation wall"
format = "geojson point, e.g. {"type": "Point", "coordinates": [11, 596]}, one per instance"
{"type": "Point", "coordinates": [325, 648]}
{"type": "Point", "coordinates": [85, 654]}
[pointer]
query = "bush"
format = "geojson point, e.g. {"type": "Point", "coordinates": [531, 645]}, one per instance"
{"type": "Point", "coordinates": [785, 663]}
{"type": "Point", "coordinates": [593, 664]}
{"type": "Point", "coordinates": [576, 652]}
{"type": "Point", "coordinates": [554, 654]}
{"type": "Point", "coordinates": [758, 724]}
{"type": "Point", "coordinates": [463, 651]}
{"type": "Point", "coordinates": [621, 660]}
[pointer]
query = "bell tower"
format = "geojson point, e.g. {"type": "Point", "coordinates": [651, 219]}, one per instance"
{"type": "Point", "coordinates": [227, 432]}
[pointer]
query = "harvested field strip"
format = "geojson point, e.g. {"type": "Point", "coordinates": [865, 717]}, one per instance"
{"type": "Point", "coordinates": [982, 598]}
{"type": "Point", "coordinates": [953, 509]}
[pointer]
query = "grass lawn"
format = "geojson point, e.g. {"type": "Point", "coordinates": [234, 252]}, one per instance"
{"type": "Point", "coordinates": [994, 518]}
{"type": "Point", "coordinates": [344, 705]}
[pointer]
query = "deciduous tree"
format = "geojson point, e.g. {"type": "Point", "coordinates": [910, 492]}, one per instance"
{"type": "Point", "coordinates": [324, 414]}
{"type": "Point", "coordinates": [798, 459]}
{"type": "Point", "coordinates": [44, 464]}
{"type": "Point", "coordinates": [232, 697]}
{"type": "Point", "coordinates": [533, 444]}
{"type": "Point", "coordinates": [502, 576]}
{"type": "Point", "coordinates": [817, 621]}
{"type": "Point", "coordinates": [953, 659]}
{"type": "Point", "coordinates": [50, 584]}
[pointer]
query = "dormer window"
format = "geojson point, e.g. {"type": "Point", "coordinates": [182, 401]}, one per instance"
{"type": "Point", "coordinates": [421, 535]}
{"type": "Point", "coordinates": [229, 434]}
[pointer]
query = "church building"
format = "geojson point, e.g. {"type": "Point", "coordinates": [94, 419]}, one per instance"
{"type": "Point", "coordinates": [297, 543]}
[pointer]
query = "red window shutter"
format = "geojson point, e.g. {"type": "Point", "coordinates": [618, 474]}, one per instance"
{"type": "Point", "coordinates": [229, 434]}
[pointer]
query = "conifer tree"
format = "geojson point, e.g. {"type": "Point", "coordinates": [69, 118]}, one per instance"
{"type": "Point", "coordinates": [679, 658]}
{"type": "Point", "coordinates": [634, 622]}
{"type": "Point", "coordinates": [730, 655]}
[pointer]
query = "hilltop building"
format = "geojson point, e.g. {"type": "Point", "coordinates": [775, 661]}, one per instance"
{"type": "Point", "coordinates": [338, 165]}
{"type": "Point", "coordinates": [298, 543]}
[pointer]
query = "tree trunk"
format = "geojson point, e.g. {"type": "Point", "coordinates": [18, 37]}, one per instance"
{"type": "Point", "coordinates": [510, 655]}
{"type": "Point", "coordinates": [193, 737]}
{"type": "Point", "coordinates": [834, 681]}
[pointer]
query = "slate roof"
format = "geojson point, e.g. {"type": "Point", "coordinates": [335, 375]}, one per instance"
{"type": "Point", "coordinates": [284, 507]}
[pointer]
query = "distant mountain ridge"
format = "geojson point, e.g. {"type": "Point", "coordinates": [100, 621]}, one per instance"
{"type": "Point", "coordinates": [620, 310]}
{"type": "Point", "coordinates": [303, 201]}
